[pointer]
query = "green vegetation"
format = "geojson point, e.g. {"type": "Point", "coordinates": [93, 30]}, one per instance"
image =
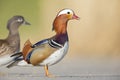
{"type": "Point", "coordinates": [30, 9]}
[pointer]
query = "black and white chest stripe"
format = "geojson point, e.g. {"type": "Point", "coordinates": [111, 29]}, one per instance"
{"type": "Point", "coordinates": [54, 44]}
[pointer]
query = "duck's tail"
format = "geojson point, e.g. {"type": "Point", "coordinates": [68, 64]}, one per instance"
{"type": "Point", "coordinates": [17, 58]}
{"type": "Point", "coordinates": [20, 57]}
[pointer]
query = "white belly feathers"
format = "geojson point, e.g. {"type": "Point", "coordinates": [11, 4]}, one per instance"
{"type": "Point", "coordinates": [56, 56]}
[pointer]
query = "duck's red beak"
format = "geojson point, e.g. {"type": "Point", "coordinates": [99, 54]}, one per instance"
{"type": "Point", "coordinates": [75, 17]}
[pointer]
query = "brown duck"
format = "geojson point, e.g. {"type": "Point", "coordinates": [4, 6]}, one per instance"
{"type": "Point", "coordinates": [11, 44]}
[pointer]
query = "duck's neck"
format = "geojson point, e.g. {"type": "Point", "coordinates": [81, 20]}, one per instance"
{"type": "Point", "coordinates": [60, 27]}
{"type": "Point", "coordinates": [14, 38]}
{"type": "Point", "coordinates": [61, 38]}
{"type": "Point", "coordinates": [13, 35]}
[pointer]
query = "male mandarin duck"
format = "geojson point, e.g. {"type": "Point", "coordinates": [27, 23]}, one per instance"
{"type": "Point", "coordinates": [50, 51]}
{"type": "Point", "coordinates": [11, 44]}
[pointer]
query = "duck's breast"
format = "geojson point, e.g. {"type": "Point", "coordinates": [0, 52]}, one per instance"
{"type": "Point", "coordinates": [56, 56]}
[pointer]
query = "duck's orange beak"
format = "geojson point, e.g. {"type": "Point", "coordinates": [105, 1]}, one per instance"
{"type": "Point", "coordinates": [75, 17]}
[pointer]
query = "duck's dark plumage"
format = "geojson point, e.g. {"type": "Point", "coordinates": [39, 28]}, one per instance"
{"type": "Point", "coordinates": [11, 44]}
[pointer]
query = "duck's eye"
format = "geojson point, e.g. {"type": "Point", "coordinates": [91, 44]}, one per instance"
{"type": "Point", "coordinates": [19, 20]}
{"type": "Point", "coordinates": [68, 12]}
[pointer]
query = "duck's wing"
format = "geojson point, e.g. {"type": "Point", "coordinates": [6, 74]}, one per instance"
{"type": "Point", "coordinates": [39, 51]}
{"type": "Point", "coordinates": [4, 48]}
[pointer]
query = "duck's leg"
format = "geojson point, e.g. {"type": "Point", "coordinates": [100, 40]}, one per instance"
{"type": "Point", "coordinates": [47, 72]}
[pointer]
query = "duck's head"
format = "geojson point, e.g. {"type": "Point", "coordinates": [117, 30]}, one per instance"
{"type": "Point", "coordinates": [67, 14]}
{"type": "Point", "coordinates": [16, 21]}
{"type": "Point", "coordinates": [60, 22]}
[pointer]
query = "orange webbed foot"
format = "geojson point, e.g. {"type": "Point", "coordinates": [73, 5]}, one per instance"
{"type": "Point", "coordinates": [47, 72]}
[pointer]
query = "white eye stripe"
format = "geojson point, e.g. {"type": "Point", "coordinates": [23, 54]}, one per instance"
{"type": "Point", "coordinates": [20, 20]}
{"type": "Point", "coordinates": [66, 11]}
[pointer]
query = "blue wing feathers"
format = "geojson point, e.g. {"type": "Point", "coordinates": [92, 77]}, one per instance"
{"type": "Point", "coordinates": [28, 57]}
{"type": "Point", "coordinates": [41, 42]}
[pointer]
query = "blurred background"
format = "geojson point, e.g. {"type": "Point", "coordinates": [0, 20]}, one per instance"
{"type": "Point", "coordinates": [94, 39]}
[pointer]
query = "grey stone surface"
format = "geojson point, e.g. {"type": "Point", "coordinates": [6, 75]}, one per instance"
{"type": "Point", "coordinates": [68, 69]}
